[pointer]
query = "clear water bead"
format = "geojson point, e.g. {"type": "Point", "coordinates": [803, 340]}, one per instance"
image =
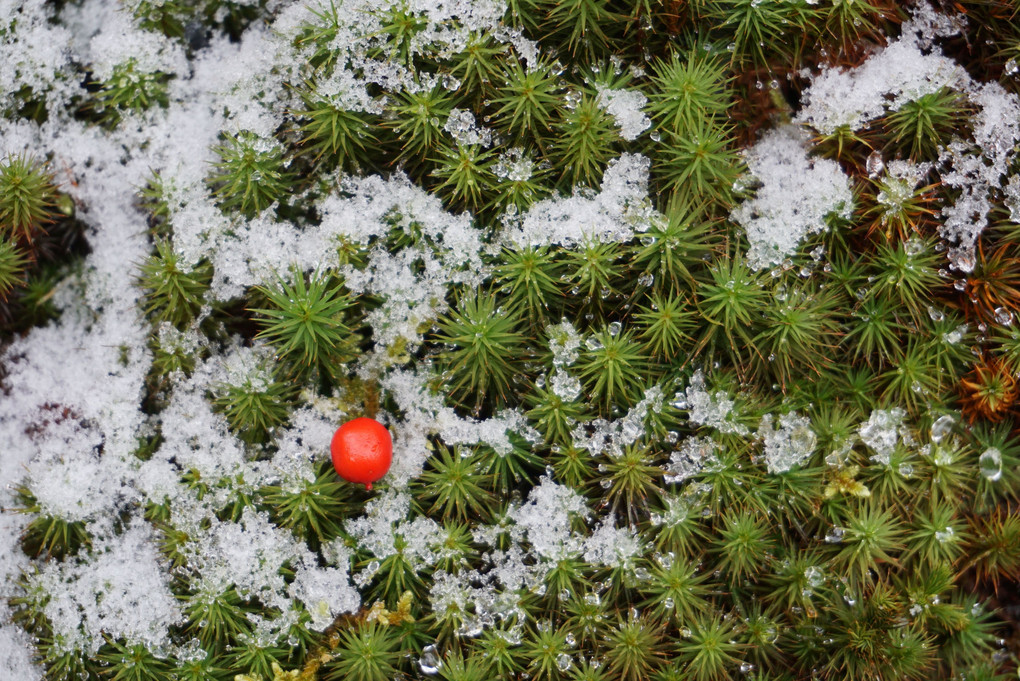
{"type": "Point", "coordinates": [875, 165]}
{"type": "Point", "coordinates": [429, 662]}
{"type": "Point", "coordinates": [941, 428]}
{"type": "Point", "coordinates": [990, 464]}
{"type": "Point", "coordinates": [913, 246]}
{"type": "Point", "coordinates": [814, 576]}
{"type": "Point", "coordinates": [835, 535]}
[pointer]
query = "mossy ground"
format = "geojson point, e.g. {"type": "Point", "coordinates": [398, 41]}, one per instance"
{"type": "Point", "coordinates": [665, 377]}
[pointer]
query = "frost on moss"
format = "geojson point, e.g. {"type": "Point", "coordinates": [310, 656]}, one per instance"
{"type": "Point", "coordinates": [720, 396]}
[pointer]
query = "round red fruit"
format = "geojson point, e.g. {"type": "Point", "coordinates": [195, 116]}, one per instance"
{"type": "Point", "coordinates": [362, 451]}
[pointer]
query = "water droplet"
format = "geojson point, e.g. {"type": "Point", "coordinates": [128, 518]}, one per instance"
{"type": "Point", "coordinates": [874, 165]}
{"type": "Point", "coordinates": [814, 576]}
{"type": "Point", "coordinates": [944, 535]}
{"type": "Point", "coordinates": [943, 426]}
{"type": "Point", "coordinates": [563, 662]}
{"type": "Point", "coordinates": [1003, 316]}
{"type": "Point", "coordinates": [990, 464]}
{"type": "Point", "coordinates": [935, 314]}
{"type": "Point", "coordinates": [614, 329]}
{"type": "Point", "coordinates": [835, 535]}
{"type": "Point", "coordinates": [913, 246]}
{"type": "Point", "coordinates": [746, 667]}
{"type": "Point", "coordinates": [429, 661]}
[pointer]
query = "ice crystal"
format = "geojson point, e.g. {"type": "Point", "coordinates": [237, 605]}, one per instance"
{"type": "Point", "coordinates": [712, 409]}
{"type": "Point", "coordinates": [881, 432]}
{"type": "Point", "coordinates": [614, 214]}
{"type": "Point", "coordinates": [611, 437]}
{"type": "Point", "coordinates": [119, 590]}
{"type": "Point", "coordinates": [688, 459]}
{"type": "Point", "coordinates": [545, 518]}
{"type": "Point", "coordinates": [461, 125]}
{"type": "Point", "coordinates": [905, 70]}
{"type": "Point", "coordinates": [790, 444]}
{"type": "Point", "coordinates": [611, 546]}
{"type": "Point", "coordinates": [565, 386]}
{"type": "Point", "coordinates": [325, 593]}
{"type": "Point", "coordinates": [625, 106]}
{"type": "Point", "coordinates": [795, 196]}
{"type": "Point", "coordinates": [564, 343]}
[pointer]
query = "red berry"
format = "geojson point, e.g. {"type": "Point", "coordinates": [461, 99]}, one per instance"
{"type": "Point", "coordinates": [362, 450]}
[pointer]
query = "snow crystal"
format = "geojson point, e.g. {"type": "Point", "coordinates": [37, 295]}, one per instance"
{"type": "Point", "coordinates": [907, 69]}
{"type": "Point", "coordinates": [514, 165]}
{"type": "Point", "coordinates": [881, 432]}
{"type": "Point", "coordinates": [16, 661]}
{"type": "Point", "coordinates": [564, 343]}
{"type": "Point", "coordinates": [611, 546]}
{"type": "Point", "coordinates": [789, 445]}
{"type": "Point", "coordinates": [712, 409]}
{"type": "Point", "coordinates": [325, 592]}
{"type": "Point", "coordinates": [977, 170]}
{"type": "Point", "coordinates": [347, 92]}
{"type": "Point", "coordinates": [1012, 201]}
{"type": "Point", "coordinates": [385, 519]}
{"type": "Point", "coordinates": [611, 437]}
{"type": "Point", "coordinates": [247, 554]}
{"type": "Point", "coordinates": [689, 458]}
{"type": "Point", "coordinates": [545, 518]}
{"type": "Point", "coordinates": [412, 281]}
{"type": "Point", "coordinates": [796, 195]}
{"type": "Point", "coordinates": [120, 591]}
{"type": "Point", "coordinates": [565, 386]}
{"type": "Point", "coordinates": [194, 437]}
{"type": "Point", "coordinates": [426, 414]}
{"type": "Point", "coordinates": [615, 213]}
{"type": "Point", "coordinates": [885, 82]}
{"type": "Point", "coordinates": [35, 55]}
{"type": "Point", "coordinates": [625, 106]}
{"type": "Point", "coordinates": [897, 187]}
{"type": "Point", "coordinates": [475, 599]}
{"type": "Point", "coordinates": [461, 125]}
{"type": "Point", "coordinates": [120, 42]}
